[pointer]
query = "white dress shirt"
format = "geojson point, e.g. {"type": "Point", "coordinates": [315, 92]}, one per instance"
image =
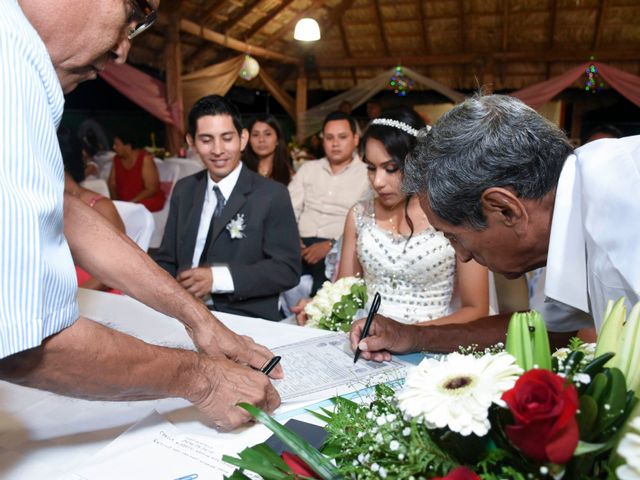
{"type": "Point", "coordinates": [594, 248]}
{"type": "Point", "coordinates": [222, 281]}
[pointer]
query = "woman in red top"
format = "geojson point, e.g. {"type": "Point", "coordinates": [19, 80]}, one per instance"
{"type": "Point", "coordinates": [134, 177]}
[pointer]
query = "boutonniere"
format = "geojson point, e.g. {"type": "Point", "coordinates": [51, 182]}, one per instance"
{"type": "Point", "coordinates": [236, 227]}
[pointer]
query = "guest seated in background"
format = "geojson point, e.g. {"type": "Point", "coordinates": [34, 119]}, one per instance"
{"type": "Point", "coordinates": [389, 242]}
{"type": "Point", "coordinates": [267, 151]}
{"type": "Point", "coordinates": [323, 191]}
{"type": "Point", "coordinates": [134, 176]}
{"type": "Point", "coordinates": [231, 235]}
{"type": "Point", "coordinates": [74, 167]}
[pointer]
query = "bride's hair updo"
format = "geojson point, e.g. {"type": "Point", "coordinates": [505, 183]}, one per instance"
{"type": "Point", "coordinates": [397, 129]}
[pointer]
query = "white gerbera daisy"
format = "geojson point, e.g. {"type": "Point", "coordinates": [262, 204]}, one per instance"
{"type": "Point", "coordinates": [457, 391]}
{"type": "Point", "coordinates": [628, 449]}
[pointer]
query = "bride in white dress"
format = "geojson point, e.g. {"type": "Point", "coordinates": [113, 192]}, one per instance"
{"type": "Point", "coordinates": [389, 242]}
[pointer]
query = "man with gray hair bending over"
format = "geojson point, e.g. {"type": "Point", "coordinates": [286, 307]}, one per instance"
{"type": "Point", "coordinates": [507, 189]}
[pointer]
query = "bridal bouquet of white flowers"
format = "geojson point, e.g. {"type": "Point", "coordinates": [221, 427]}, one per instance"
{"type": "Point", "coordinates": [336, 304]}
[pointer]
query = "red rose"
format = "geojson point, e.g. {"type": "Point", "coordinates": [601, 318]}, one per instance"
{"type": "Point", "coordinates": [460, 473]}
{"type": "Point", "coordinates": [544, 407]}
{"type": "Point", "coordinates": [297, 465]}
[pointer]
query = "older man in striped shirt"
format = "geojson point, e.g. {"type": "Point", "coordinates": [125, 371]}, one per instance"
{"type": "Point", "coordinates": [46, 49]}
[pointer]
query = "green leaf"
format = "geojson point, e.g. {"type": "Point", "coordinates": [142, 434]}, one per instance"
{"type": "Point", "coordinates": [597, 387]}
{"type": "Point", "coordinates": [318, 462]}
{"type": "Point", "coordinates": [597, 364]}
{"type": "Point", "coordinates": [586, 447]}
{"type": "Point", "coordinates": [587, 416]}
{"type": "Point", "coordinates": [262, 460]}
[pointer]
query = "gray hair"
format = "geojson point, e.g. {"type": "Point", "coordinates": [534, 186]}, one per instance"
{"type": "Point", "coordinates": [486, 141]}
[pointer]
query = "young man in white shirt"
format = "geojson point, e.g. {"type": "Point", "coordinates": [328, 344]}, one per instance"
{"type": "Point", "coordinates": [323, 191]}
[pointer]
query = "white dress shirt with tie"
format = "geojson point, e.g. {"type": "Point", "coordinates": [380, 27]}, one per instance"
{"type": "Point", "coordinates": [222, 281]}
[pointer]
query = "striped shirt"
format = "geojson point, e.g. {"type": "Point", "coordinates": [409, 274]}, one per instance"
{"type": "Point", "coordinates": [37, 278]}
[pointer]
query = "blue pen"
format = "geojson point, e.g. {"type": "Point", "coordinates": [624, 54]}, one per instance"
{"type": "Point", "coordinates": [192, 476]}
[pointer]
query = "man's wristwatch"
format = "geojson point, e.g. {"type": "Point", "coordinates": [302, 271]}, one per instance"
{"type": "Point", "coordinates": [332, 242]}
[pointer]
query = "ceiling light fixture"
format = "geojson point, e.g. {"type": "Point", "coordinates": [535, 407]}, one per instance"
{"type": "Point", "coordinates": [307, 30]}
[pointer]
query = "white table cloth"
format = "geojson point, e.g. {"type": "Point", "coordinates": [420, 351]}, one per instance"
{"type": "Point", "coordinates": [43, 434]}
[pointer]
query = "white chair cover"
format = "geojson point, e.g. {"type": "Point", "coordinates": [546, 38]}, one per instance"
{"type": "Point", "coordinates": [138, 222]}
{"type": "Point", "coordinates": [169, 174]}
{"type": "Point", "coordinates": [97, 185]}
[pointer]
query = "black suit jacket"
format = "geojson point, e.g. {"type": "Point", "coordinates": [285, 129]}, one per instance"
{"type": "Point", "coordinates": [263, 264]}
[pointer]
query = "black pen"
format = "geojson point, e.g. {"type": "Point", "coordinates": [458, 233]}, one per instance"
{"type": "Point", "coordinates": [375, 305]}
{"type": "Point", "coordinates": [271, 364]}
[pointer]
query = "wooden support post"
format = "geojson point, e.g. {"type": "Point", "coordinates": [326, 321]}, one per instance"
{"type": "Point", "coordinates": [173, 68]}
{"type": "Point", "coordinates": [281, 96]}
{"type": "Point", "coordinates": [301, 103]}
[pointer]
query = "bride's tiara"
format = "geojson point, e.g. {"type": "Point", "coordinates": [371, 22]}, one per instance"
{"type": "Point", "coordinates": [387, 122]}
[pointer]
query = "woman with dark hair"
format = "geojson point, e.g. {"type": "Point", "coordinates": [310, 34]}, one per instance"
{"type": "Point", "coordinates": [267, 152]}
{"type": "Point", "coordinates": [389, 242]}
{"type": "Point", "coordinates": [134, 176]}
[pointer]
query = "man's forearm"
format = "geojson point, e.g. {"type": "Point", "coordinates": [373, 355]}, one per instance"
{"type": "Point", "coordinates": [484, 332]}
{"type": "Point", "coordinates": [88, 360]}
{"type": "Point", "coordinates": [114, 259]}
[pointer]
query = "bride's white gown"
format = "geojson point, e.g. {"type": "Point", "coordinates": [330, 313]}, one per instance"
{"type": "Point", "coordinates": [415, 278]}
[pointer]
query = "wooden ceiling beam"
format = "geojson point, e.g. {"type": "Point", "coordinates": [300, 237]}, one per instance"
{"type": "Point", "coordinates": [213, 6]}
{"type": "Point", "coordinates": [597, 36]}
{"type": "Point", "coordinates": [423, 27]}
{"type": "Point", "coordinates": [383, 37]}
{"type": "Point", "coordinates": [270, 15]}
{"type": "Point", "coordinates": [467, 58]}
{"type": "Point", "coordinates": [199, 53]}
{"type": "Point", "coordinates": [234, 44]}
{"type": "Point", "coordinates": [463, 24]}
{"type": "Point", "coordinates": [347, 50]}
{"type": "Point", "coordinates": [237, 16]}
{"type": "Point", "coordinates": [505, 25]}
{"type": "Point", "coordinates": [290, 25]}
{"type": "Point", "coordinates": [552, 31]}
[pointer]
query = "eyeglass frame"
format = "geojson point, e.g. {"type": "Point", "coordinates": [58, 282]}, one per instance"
{"type": "Point", "coordinates": [142, 9]}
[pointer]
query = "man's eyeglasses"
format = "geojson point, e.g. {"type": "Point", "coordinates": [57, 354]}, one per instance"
{"type": "Point", "coordinates": [144, 15]}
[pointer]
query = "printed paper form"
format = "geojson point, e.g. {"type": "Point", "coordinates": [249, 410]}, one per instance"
{"type": "Point", "coordinates": [155, 448]}
{"type": "Point", "coordinates": [323, 363]}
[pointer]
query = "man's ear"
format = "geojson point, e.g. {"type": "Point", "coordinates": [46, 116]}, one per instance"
{"type": "Point", "coordinates": [244, 139]}
{"type": "Point", "coordinates": [190, 141]}
{"type": "Point", "coordinates": [503, 206]}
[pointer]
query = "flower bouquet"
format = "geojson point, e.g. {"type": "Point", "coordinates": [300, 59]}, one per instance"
{"type": "Point", "coordinates": [513, 413]}
{"type": "Point", "coordinates": [336, 304]}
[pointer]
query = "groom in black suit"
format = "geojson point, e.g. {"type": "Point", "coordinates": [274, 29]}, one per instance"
{"type": "Point", "coordinates": [231, 237]}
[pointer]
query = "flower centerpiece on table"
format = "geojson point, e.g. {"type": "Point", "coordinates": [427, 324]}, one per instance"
{"type": "Point", "coordinates": [336, 304]}
{"type": "Point", "coordinates": [521, 414]}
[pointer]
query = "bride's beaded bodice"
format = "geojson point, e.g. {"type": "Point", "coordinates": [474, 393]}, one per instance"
{"type": "Point", "coordinates": [414, 278]}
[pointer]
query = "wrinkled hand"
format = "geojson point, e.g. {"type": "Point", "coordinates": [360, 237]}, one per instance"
{"type": "Point", "coordinates": [316, 252]}
{"type": "Point", "coordinates": [224, 384]}
{"type": "Point", "coordinates": [217, 340]}
{"type": "Point", "coordinates": [301, 317]}
{"type": "Point", "coordinates": [197, 281]}
{"type": "Point", "coordinates": [385, 336]}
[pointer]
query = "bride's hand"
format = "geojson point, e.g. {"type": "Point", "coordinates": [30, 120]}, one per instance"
{"type": "Point", "coordinates": [298, 309]}
{"type": "Point", "coordinates": [385, 336]}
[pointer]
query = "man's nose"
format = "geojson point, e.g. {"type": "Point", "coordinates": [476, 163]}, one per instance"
{"type": "Point", "coordinates": [121, 49]}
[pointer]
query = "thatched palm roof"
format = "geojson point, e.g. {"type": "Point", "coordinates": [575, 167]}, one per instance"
{"type": "Point", "coordinates": [509, 44]}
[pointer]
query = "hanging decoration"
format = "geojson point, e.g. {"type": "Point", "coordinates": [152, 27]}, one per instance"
{"type": "Point", "coordinates": [593, 82]}
{"type": "Point", "coordinates": [400, 83]}
{"type": "Point", "coordinates": [250, 68]}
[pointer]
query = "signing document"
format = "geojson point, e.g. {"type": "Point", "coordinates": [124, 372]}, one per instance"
{"type": "Point", "coordinates": [322, 363]}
